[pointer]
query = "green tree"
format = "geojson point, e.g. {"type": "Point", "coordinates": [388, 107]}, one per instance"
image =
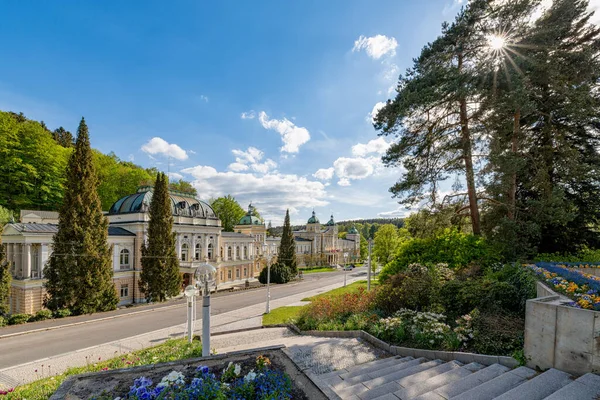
{"type": "Point", "coordinates": [364, 248]}
{"type": "Point", "coordinates": [160, 277]}
{"type": "Point", "coordinates": [5, 216]}
{"type": "Point", "coordinates": [287, 247]}
{"type": "Point", "coordinates": [385, 243]}
{"type": "Point", "coordinates": [5, 280]}
{"type": "Point", "coordinates": [228, 210]}
{"type": "Point", "coordinates": [183, 186]}
{"type": "Point", "coordinates": [79, 272]}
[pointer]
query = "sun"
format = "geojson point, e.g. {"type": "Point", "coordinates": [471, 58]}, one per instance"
{"type": "Point", "coordinates": [496, 42]}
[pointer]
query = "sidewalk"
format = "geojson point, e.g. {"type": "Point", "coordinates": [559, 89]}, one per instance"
{"type": "Point", "coordinates": [248, 317]}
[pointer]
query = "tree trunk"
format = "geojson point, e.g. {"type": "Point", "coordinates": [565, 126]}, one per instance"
{"type": "Point", "coordinates": [468, 157]}
{"type": "Point", "coordinates": [512, 190]}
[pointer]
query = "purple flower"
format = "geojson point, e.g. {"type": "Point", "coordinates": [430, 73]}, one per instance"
{"type": "Point", "coordinates": [203, 369]}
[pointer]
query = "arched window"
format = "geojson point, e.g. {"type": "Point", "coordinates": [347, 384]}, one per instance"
{"type": "Point", "coordinates": [237, 253]}
{"type": "Point", "coordinates": [229, 252]}
{"type": "Point", "coordinates": [221, 252]}
{"type": "Point", "coordinates": [210, 251]}
{"type": "Point", "coordinates": [245, 253]}
{"type": "Point", "coordinates": [198, 253]}
{"type": "Point", "coordinates": [184, 252]}
{"type": "Point", "coordinates": [124, 259]}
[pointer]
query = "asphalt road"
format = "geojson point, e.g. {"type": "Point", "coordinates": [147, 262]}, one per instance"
{"type": "Point", "coordinates": [37, 345]}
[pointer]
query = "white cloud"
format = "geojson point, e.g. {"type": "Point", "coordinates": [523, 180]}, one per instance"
{"type": "Point", "coordinates": [174, 176]}
{"type": "Point", "coordinates": [272, 193]}
{"type": "Point", "coordinates": [376, 46]}
{"type": "Point", "coordinates": [248, 115]}
{"type": "Point", "coordinates": [292, 136]}
{"type": "Point", "coordinates": [237, 167]}
{"type": "Point", "coordinates": [399, 212]}
{"type": "Point", "coordinates": [131, 157]}
{"type": "Point", "coordinates": [191, 152]}
{"type": "Point", "coordinates": [324, 174]}
{"type": "Point", "coordinates": [378, 146]}
{"type": "Point", "coordinates": [353, 168]}
{"type": "Point", "coordinates": [204, 98]}
{"type": "Point", "coordinates": [344, 182]}
{"type": "Point", "coordinates": [158, 145]}
{"type": "Point", "coordinates": [250, 159]}
{"type": "Point", "coordinates": [378, 106]}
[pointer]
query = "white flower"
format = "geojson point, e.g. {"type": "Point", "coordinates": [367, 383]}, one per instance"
{"type": "Point", "coordinates": [174, 377]}
{"type": "Point", "coordinates": [251, 376]}
{"type": "Point", "coordinates": [237, 370]}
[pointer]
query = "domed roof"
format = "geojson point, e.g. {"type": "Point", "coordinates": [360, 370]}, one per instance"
{"type": "Point", "coordinates": [250, 219]}
{"type": "Point", "coordinates": [331, 222]}
{"type": "Point", "coordinates": [182, 204]}
{"type": "Point", "coordinates": [313, 219]}
{"type": "Point", "coordinates": [353, 231]}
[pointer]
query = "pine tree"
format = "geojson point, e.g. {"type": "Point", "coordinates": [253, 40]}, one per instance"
{"type": "Point", "coordinates": [160, 276]}
{"type": "Point", "coordinates": [287, 247]}
{"type": "Point", "coordinates": [5, 279]}
{"type": "Point", "coordinates": [79, 272]}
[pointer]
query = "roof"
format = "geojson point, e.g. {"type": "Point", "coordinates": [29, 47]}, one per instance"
{"type": "Point", "coordinates": [41, 214]}
{"type": "Point", "coordinates": [313, 219]}
{"type": "Point", "coordinates": [53, 228]}
{"type": "Point", "coordinates": [249, 218]}
{"type": "Point", "coordinates": [331, 222]}
{"type": "Point", "coordinates": [182, 204]}
{"type": "Point", "coordinates": [300, 239]}
{"type": "Point", "coordinates": [236, 234]}
{"type": "Point", "coordinates": [352, 231]}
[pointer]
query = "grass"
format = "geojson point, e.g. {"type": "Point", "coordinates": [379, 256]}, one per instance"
{"type": "Point", "coordinates": [43, 388]}
{"type": "Point", "coordinates": [353, 287]}
{"type": "Point", "coordinates": [281, 315]}
{"type": "Point", "coordinates": [316, 270]}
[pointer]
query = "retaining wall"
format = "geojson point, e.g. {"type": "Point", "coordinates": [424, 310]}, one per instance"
{"type": "Point", "coordinates": [559, 336]}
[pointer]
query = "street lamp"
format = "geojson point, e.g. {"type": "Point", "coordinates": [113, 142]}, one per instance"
{"type": "Point", "coordinates": [268, 259]}
{"type": "Point", "coordinates": [205, 276]}
{"type": "Point", "coordinates": [190, 295]}
{"type": "Point", "coordinates": [345, 266]}
{"type": "Point", "coordinates": [369, 270]}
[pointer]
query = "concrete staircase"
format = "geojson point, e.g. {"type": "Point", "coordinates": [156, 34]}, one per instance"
{"type": "Point", "coordinates": [422, 379]}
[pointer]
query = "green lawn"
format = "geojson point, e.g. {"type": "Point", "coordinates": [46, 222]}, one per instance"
{"type": "Point", "coordinates": [316, 270]}
{"type": "Point", "coordinates": [281, 315]}
{"type": "Point", "coordinates": [43, 388]}
{"type": "Point", "coordinates": [353, 287]}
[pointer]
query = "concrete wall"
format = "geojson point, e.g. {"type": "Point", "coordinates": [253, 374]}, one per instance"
{"type": "Point", "coordinates": [559, 336]}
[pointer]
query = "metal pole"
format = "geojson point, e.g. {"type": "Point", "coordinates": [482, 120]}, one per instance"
{"type": "Point", "coordinates": [345, 268]}
{"type": "Point", "coordinates": [268, 285]}
{"type": "Point", "coordinates": [206, 321]}
{"type": "Point", "coordinates": [369, 270]}
{"type": "Point", "coordinates": [190, 317]}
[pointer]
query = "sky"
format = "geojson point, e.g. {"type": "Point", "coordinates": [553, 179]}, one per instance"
{"type": "Point", "coordinates": [269, 101]}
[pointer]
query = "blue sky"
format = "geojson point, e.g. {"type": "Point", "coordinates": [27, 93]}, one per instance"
{"type": "Point", "coordinates": [268, 101]}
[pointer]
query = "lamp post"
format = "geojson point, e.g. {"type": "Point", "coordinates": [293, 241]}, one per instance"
{"type": "Point", "coordinates": [268, 259]}
{"type": "Point", "coordinates": [190, 295]}
{"type": "Point", "coordinates": [345, 266]}
{"type": "Point", "coordinates": [205, 276]}
{"type": "Point", "coordinates": [369, 270]}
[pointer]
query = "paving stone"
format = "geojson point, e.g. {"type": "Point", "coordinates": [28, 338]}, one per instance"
{"type": "Point", "coordinates": [354, 390]}
{"type": "Point", "coordinates": [401, 374]}
{"type": "Point", "coordinates": [539, 387]}
{"type": "Point", "coordinates": [387, 396]}
{"type": "Point", "coordinates": [471, 381]}
{"type": "Point", "coordinates": [428, 385]}
{"type": "Point", "coordinates": [497, 386]}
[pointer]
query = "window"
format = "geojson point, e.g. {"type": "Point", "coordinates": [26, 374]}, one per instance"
{"type": "Point", "coordinates": [210, 251]}
{"type": "Point", "coordinates": [125, 290]}
{"type": "Point", "coordinates": [221, 276]}
{"type": "Point", "coordinates": [237, 253]}
{"type": "Point", "coordinates": [245, 272]}
{"type": "Point", "coordinates": [237, 274]}
{"type": "Point", "coordinates": [184, 252]}
{"type": "Point", "coordinates": [124, 259]}
{"type": "Point", "coordinates": [245, 253]}
{"type": "Point", "coordinates": [229, 274]}
{"type": "Point", "coordinates": [221, 252]}
{"type": "Point", "coordinates": [35, 262]}
{"type": "Point", "coordinates": [229, 252]}
{"type": "Point", "coordinates": [198, 252]}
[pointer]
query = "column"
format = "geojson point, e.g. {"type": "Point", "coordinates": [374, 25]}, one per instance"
{"type": "Point", "coordinates": [27, 266]}
{"type": "Point", "coordinates": [205, 248]}
{"type": "Point", "coordinates": [116, 257]}
{"type": "Point", "coordinates": [43, 258]}
{"type": "Point", "coordinates": [178, 245]}
{"type": "Point", "coordinates": [193, 248]}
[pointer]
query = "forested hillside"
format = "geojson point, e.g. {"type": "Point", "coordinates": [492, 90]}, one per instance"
{"type": "Point", "coordinates": [33, 166]}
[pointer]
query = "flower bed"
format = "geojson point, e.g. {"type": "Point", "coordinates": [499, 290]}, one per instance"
{"type": "Point", "coordinates": [583, 288]}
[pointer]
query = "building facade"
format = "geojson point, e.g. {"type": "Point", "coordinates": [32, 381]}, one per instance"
{"type": "Point", "coordinates": [238, 256]}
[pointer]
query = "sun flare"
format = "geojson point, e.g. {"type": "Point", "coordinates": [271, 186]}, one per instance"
{"type": "Point", "coordinates": [496, 42]}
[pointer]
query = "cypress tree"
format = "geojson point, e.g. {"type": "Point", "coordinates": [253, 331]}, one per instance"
{"type": "Point", "coordinates": [160, 276]}
{"type": "Point", "coordinates": [5, 278]}
{"type": "Point", "coordinates": [287, 247]}
{"type": "Point", "coordinates": [79, 272]}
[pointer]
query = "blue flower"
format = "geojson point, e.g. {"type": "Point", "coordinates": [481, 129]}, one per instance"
{"type": "Point", "coordinates": [203, 369]}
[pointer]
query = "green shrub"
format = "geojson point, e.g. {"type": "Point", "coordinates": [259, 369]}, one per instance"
{"type": "Point", "coordinates": [3, 321]}
{"type": "Point", "coordinates": [460, 297]}
{"type": "Point", "coordinates": [415, 289]}
{"type": "Point", "coordinates": [585, 256]}
{"type": "Point", "coordinates": [498, 333]}
{"type": "Point", "coordinates": [361, 321]}
{"type": "Point", "coordinates": [42, 315]}
{"type": "Point", "coordinates": [279, 274]}
{"type": "Point", "coordinates": [62, 313]}
{"type": "Point", "coordinates": [449, 246]}
{"type": "Point", "coordinates": [18, 319]}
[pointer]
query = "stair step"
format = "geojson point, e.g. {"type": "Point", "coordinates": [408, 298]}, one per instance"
{"type": "Point", "coordinates": [365, 368]}
{"type": "Point", "coordinates": [428, 385]}
{"type": "Point", "coordinates": [586, 387]}
{"type": "Point", "coordinates": [497, 386]}
{"type": "Point", "coordinates": [467, 383]}
{"type": "Point", "coordinates": [383, 390]}
{"type": "Point", "coordinates": [429, 373]}
{"type": "Point", "coordinates": [539, 387]}
{"type": "Point", "coordinates": [403, 373]}
{"type": "Point", "coordinates": [384, 371]}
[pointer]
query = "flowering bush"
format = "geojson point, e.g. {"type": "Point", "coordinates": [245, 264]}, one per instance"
{"type": "Point", "coordinates": [264, 384]}
{"type": "Point", "coordinates": [583, 288]}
